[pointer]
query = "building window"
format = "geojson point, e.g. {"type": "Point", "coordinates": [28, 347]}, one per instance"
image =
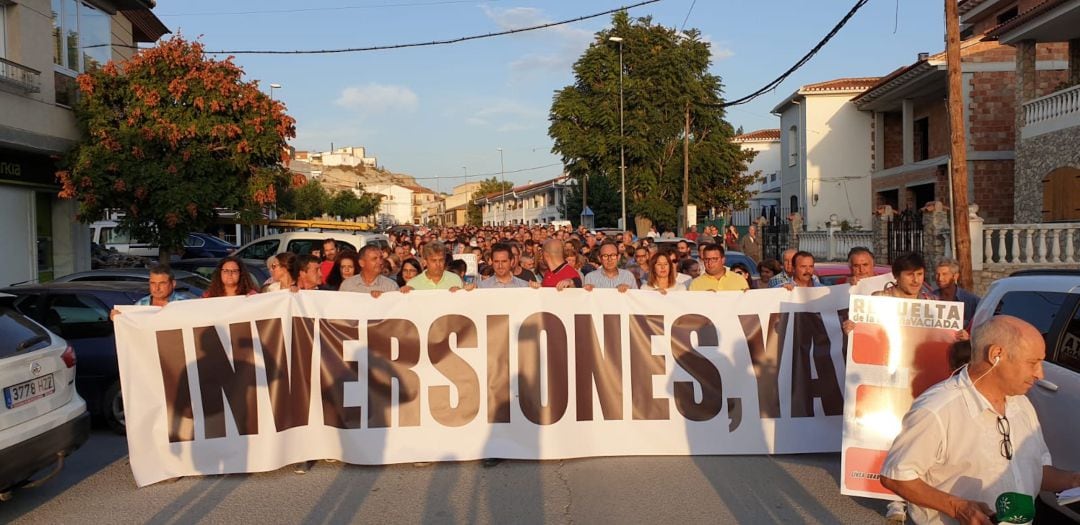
{"type": "Point", "coordinates": [772, 177]}
{"type": "Point", "coordinates": [922, 138]}
{"type": "Point", "coordinates": [793, 145]}
{"type": "Point", "coordinates": [81, 41]}
{"type": "Point", "coordinates": [3, 31]}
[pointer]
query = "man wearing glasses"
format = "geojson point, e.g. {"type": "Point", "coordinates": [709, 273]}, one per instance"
{"type": "Point", "coordinates": [975, 436]}
{"type": "Point", "coordinates": [610, 275]}
{"type": "Point", "coordinates": [716, 277]}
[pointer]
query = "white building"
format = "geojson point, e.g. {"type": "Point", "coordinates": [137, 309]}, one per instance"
{"type": "Point", "coordinates": [397, 203]}
{"type": "Point", "coordinates": [826, 153]}
{"type": "Point", "coordinates": [765, 189]}
{"type": "Point", "coordinates": [43, 46]}
{"type": "Point", "coordinates": [351, 156]}
{"type": "Point", "coordinates": [531, 204]}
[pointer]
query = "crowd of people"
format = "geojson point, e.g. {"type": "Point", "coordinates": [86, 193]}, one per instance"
{"type": "Point", "coordinates": [539, 257]}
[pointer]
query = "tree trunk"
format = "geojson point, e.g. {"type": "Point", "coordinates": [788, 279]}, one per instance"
{"type": "Point", "coordinates": [164, 256]}
{"type": "Point", "coordinates": [642, 224]}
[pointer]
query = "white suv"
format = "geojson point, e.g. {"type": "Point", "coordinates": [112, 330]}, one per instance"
{"type": "Point", "coordinates": [42, 418]}
{"type": "Point", "coordinates": [1049, 300]}
{"type": "Point", "coordinates": [302, 242]}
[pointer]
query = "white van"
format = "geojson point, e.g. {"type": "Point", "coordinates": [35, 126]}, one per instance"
{"type": "Point", "coordinates": [302, 242]}
{"type": "Point", "coordinates": [106, 234]}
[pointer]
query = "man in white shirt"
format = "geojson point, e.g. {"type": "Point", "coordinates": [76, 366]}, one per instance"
{"type": "Point", "coordinates": [975, 436]}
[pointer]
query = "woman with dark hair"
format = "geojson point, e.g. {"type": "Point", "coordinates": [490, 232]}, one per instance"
{"type": "Point", "coordinates": [662, 275]}
{"type": "Point", "coordinates": [345, 265]}
{"type": "Point", "coordinates": [766, 270]}
{"type": "Point", "coordinates": [230, 278]}
{"type": "Point", "coordinates": [286, 274]}
{"type": "Point", "coordinates": [743, 271]}
{"type": "Point", "coordinates": [409, 268]}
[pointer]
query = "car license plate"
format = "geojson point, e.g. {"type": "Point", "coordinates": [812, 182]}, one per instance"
{"type": "Point", "coordinates": [29, 391]}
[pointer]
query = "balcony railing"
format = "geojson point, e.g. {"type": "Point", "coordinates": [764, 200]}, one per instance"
{"type": "Point", "coordinates": [19, 76]}
{"type": "Point", "coordinates": [1031, 244]}
{"type": "Point", "coordinates": [1056, 111]}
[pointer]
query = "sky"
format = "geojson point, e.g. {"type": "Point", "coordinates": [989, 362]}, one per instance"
{"type": "Point", "coordinates": [439, 112]}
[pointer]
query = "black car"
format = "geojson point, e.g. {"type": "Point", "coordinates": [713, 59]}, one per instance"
{"type": "Point", "coordinates": [205, 266]}
{"type": "Point", "coordinates": [79, 312]}
{"type": "Point", "coordinates": [205, 245]}
{"type": "Point", "coordinates": [192, 282]}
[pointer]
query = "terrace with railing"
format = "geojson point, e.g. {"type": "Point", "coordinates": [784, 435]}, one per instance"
{"type": "Point", "coordinates": [18, 77]}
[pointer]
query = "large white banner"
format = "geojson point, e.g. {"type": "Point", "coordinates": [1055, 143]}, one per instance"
{"type": "Point", "coordinates": [249, 384]}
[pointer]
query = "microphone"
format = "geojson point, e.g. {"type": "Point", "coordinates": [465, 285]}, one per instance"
{"type": "Point", "coordinates": [1013, 507]}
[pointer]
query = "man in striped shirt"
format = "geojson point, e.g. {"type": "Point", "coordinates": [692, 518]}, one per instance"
{"type": "Point", "coordinates": [610, 275]}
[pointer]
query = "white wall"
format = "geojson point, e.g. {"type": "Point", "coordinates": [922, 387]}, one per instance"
{"type": "Point", "coordinates": [767, 162]}
{"type": "Point", "coordinates": [791, 182]}
{"type": "Point", "coordinates": [17, 259]}
{"type": "Point", "coordinates": [838, 164]}
{"type": "Point", "coordinates": [396, 204]}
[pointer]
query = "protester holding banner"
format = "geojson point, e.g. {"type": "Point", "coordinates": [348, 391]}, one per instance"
{"type": "Point", "coordinates": [787, 275]}
{"type": "Point", "coordinates": [909, 270]}
{"type": "Point", "coordinates": [310, 272]}
{"type": "Point", "coordinates": [716, 277]}
{"type": "Point", "coordinates": [661, 277]}
{"type": "Point", "coordinates": [558, 274]}
{"type": "Point", "coordinates": [948, 288]}
{"type": "Point", "coordinates": [861, 262]}
{"type": "Point", "coordinates": [370, 280]}
{"type": "Point", "coordinates": [503, 277]}
{"type": "Point", "coordinates": [802, 274]}
{"type": "Point", "coordinates": [230, 278]}
{"type": "Point", "coordinates": [945, 462]}
{"type": "Point", "coordinates": [435, 276]}
{"type": "Point", "coordinates": [610, 275]}
{"type": "Point", "coordinates": [162, 285]}
{"type": "Point", "coordinates": [346, 264]}
{"type": "Point", "coordinates": [410, 268]}
{"type": "Point", "coordinates": [285, 274]}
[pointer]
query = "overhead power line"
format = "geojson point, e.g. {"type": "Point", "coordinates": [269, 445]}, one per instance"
{"type": "Point", "coordinates": [427, 44]}
{"type": "Point", "coordinates": [806, 58]}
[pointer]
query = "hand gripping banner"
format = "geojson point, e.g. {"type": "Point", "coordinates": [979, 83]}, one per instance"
{"type": "Point", "coordinates": [250, 384]}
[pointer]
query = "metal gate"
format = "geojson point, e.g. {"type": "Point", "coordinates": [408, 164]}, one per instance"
{"type": "Point", "coordinates": [904, 234]}
{"type": "Point", "coordinates": [775, 236]}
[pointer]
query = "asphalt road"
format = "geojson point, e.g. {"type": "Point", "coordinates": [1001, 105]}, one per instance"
{"type": "Point", "coordinates": [96, 486]}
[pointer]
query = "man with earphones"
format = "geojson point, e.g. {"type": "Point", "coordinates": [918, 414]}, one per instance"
{"type": "Point", "coordinates": [975, 436]}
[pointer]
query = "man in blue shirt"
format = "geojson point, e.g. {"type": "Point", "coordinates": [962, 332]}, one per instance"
{"type": "Point", "coordinates": [162, 287]}
{"type": "Point", "coordinates": [948, 275]}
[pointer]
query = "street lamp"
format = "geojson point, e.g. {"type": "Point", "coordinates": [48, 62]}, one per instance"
{"type": "Point", "coordinates": [272, 88]}
{"type": "Point", "coordinates": [502, 175]}
{"type": "Point", "coordinates": [622, 134]}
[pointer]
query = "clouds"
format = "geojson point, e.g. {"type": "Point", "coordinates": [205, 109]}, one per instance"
{"type": "Point", "coordinates": [378, 98]}
{"type": "Point", "coordinates": [506, 115]}
{"type": "Point", "coordinates": [563, 44]}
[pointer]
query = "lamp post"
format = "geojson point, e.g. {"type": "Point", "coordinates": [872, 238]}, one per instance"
{"type": "Point", "coordinates": [272, 88]}
{"type": "Point", "coordinates": [502, 175]}
{"type": "Point", "coordinates": [622, 135]}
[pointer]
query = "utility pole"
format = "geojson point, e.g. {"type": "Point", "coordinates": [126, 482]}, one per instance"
{"type": "Point", "coordinates": [684, 223]}
{"type": "Point", "coordinates": [961, 232]}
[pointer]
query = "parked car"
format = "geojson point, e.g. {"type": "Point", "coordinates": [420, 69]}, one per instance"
{"type": "Point", "coordinates": [200, 245]}
{"type": "Point", "coordinates": [830, 273]}
{"type": "Point", "coordinates": [186, 282]}
{"type": "Point", "coordinates": [204, 266]}
{"type": "Point", "coordinates": [79, 312]}
{"type": "Point", "coordinates": [107, 234]}
{"type": "Point", "coordinates": [43, 418]}
{"type": "Point", "coordinates": [302, 242]}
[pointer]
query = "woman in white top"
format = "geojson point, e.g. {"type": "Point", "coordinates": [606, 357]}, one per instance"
{"type": "Point", "coordinates": [661, 276]}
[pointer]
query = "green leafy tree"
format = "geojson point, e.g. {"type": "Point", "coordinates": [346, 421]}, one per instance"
{"type": "Point", "coordinates": [603, 200]}
{"type": "Point", "coordinates": [347, 205]}
{"type": "Point", "coordinates": [306, 201]}
{"type": "Point", "coordinates": [487, 187]}
{"type": "Point", "coordinates": [665, 76]}
{"type": "Point", "coordinates": [169, 136]}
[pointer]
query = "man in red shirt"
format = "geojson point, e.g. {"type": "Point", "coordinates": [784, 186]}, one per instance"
{"type": "Point", "coordinates": [559, 275]}
{"type": "Point", "coordinates": [329, 249]}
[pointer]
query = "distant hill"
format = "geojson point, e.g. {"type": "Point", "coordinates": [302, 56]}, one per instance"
{"type": "Point", "coordinates": [345, 177]}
